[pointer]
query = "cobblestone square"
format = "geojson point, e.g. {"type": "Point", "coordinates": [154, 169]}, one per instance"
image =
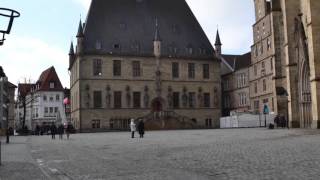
{"type": "Point", "coordinates": [169, 155]}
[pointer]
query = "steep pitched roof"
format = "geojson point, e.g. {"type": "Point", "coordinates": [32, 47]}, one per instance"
{"type": "Point", "coordinates": [127, 27]}
{"type": "Point", "coordinates": [49, 76]}
{"type": "Point", "coordinates": [238, 61]}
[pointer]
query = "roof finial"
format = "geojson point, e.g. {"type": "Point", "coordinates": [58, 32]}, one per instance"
{"type": "Point", "coordinates": [157, 33]}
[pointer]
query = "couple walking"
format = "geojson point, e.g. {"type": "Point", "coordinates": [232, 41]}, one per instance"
{"type": "Point", "coordinates": [140, 128]}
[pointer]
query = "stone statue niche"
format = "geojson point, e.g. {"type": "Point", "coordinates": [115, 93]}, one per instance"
{"type": "Point", "coordinates": [128, 96]}
{"type": "Point", "coordinates": [108, 97]}
{"type": "Point", "coordinates": [184, 97]}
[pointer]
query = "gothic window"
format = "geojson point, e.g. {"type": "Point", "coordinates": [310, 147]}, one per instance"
{"type": "Point", "coordinates": [192, 99]}
{"type": "Point", "coordinates": [206, 71]}
{"type": "Point", "coordinates": [255, 87]}
{"type": "Point", "coordinates": [175, 70]}
{"type": "Point", "coordinates": [136, 99]}
{"type": "Point", "coordinates": [264, 85]}
{"type": "Point", "coordinates": [116, 68]}
{"type": "Point", "coordinates": [255, 70]}
{"type": "Point", "coordinates": [136, 68]}
{"type": "Point", "coordinates": [176, 100]}
{"type": "Point", "coordinates": [206, 97]}
{"type": "Point", "coordinates": [261, 48]}
{"type": "Point", "coordinates": [97, 99]}
{"type": "Point", "coordinates": [97, 67]}
{"type": "Point", "coordinates": [117, 99]}
{"type": "Point", "coordinates": [191, 70]}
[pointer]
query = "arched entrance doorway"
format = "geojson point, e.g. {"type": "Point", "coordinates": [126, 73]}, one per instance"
{"type": "Point", "coordinates": [304, 86]}
{"type": "Point", "coordinates": [157, 105]}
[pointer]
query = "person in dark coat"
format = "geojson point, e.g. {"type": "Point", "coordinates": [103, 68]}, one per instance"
{"type": "Point", "coordinates": [141, 128]}
{"type": "Point", "coordinates": [60, 131]}
{"type": "Point", "coordinates": [53, 130]}
{"type": "Point", "coordinates": [68, 130]}
{"type": "Point", "coordinates": [37, 130]}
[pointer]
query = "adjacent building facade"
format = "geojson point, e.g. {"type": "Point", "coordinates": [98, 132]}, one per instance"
{"type": "Point", "coordinates": [152, 62]}
{"type": "Point", "coordinates": [235, 83]}
{"type": "Point", "coordinates": [41, 103]}
{"type": "Point", "coordinates": [285, 57]}
{"type": "Point", "coordinates": [7, 92]}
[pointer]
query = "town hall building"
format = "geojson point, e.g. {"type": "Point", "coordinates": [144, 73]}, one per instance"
{"type": "Point", "coordinates": [148, 60]}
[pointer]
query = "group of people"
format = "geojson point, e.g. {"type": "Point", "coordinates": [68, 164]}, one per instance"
{"type": "Point", "coordinates": [139, 127]}
{"type": "Point", "coordinates": [280, 121]}
{"type": "Point", "coordinates": [60, 131]}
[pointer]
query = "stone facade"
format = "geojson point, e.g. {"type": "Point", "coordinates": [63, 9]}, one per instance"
{"type": "Point", "coordinates": [235, 83]}
{"type": "Point", "coordinates": [173, 86]}
{"type": "Point", "coordinates": [292, 27]}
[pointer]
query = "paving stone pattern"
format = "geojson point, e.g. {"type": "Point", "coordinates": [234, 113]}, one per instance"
{"type": "Point", "coordinates": [167, 155]}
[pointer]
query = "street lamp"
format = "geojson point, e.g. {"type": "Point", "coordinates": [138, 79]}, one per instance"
{"type": "Point", "coordinates": [6, 15]}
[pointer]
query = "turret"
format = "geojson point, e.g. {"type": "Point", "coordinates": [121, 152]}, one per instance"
{"type": "Point", "coordinates": [157, 42]}
{"type": "Point", "coordinates": [80, 37]}
{"type": "Point", "coordinates": [218, 44]}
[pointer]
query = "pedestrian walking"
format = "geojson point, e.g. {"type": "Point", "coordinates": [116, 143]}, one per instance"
{"type": "Point", "coordinates": [53, 130]}
{"type": "Point", "coordinates": [60, 131]}
{"type": "Point", "coordinates": [132, 128]}
{"type": "Point", "coordinates": [68, 130]}
{"type": "Point", "coordinates": [141, 128]}
{"type": "Point", "coordinates": [37, 133]}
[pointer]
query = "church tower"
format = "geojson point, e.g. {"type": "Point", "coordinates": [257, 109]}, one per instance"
{"type": "Point", "coordinates": [80, 37]}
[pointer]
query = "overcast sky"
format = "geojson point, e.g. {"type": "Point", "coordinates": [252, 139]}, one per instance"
{"type": "Point", "coordinates": [41, 37]}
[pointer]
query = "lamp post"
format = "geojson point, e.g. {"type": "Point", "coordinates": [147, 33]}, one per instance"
{"type": "Point", "coordinates": [7, 15]}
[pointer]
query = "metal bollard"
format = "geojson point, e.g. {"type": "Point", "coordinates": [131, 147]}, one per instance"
{"type": "Point", "coordinates": [0, 152]}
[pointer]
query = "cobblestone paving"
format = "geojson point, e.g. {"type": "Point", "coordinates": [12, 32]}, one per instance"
{"type": "Point", "coordinates": [167, 155]}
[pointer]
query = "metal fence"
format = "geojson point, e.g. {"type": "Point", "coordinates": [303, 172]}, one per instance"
{"type": "Point", "coordinates": [247, 120]}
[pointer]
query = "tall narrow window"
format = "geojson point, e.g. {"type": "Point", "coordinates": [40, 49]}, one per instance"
{"type": "Point", "coordinates": [117, 68]}
{"type": "Point", "coordinates": [97, 98]}
{"type": "Point", "coordinates": [176, 100]}
{"type": "Point", "coordinates": [192, 99]}
{"type": "Point", "coordinates": [57, 97]}
{"type": "Point", "coordinates": [271, 64]}
{"type": "Point", "coordinates": [206, 101]}
{"type": "Point", "coordinates": [97, 67]}
{"type": "Point", "coordinates": [255, 70]}
{"type": "Point", "coordinates": [264, 85]}
{"type": "Point", "coordinates": [117, 99]}
{"type": "Point", "coordinates": [175, 70]}
{"type": "Point", "coordinates": [255, 87]}
{"type": "Point", "coordinates": [136, 69]}
{"type": "Point", "coordinates": [191, 70]}
{"type": "Point", "coordinates": [136, 99]}
{"type": "Point", "coordinates": [206, 71]}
